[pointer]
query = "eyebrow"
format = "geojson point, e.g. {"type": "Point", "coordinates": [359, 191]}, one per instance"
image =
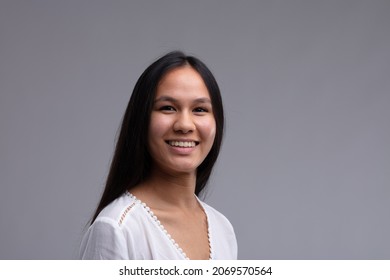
{"type": "Point", "coordinates": [174, 100]}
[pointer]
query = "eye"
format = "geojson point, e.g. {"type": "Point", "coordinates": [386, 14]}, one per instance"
{"type": "Point", "coordinates": [200, 110]}
{"type": "Point", "coordinates": [167, 108]}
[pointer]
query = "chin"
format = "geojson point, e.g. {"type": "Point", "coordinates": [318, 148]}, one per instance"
{"type": "Point", "coordinates": [184, 168]}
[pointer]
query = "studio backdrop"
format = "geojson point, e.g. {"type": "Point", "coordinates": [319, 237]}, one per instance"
{"type": "Point", "coordinates": [304, 171]}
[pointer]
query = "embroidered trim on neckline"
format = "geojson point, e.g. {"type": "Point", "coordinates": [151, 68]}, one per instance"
{"type": "Point", "coordinates": [161, 226]}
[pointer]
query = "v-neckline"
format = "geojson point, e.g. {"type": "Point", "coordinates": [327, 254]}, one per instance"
{"type": "Point", "coordinates": [163, 230]}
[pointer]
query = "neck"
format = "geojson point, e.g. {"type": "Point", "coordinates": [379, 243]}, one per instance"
{"type": "Point", "coordinates": [169, 190]}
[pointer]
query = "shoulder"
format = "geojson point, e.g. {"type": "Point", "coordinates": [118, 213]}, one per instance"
{"type": "Point", "coordinates": [117, 210]}
{"type": "Point", "coordinates": [221, 234]}
{"type": "Point", "coordinates": [106, 238]}
{"type": "Point", "coordinates": [217, 220]}
{"type": "Point", "coordinates": [214, 214]}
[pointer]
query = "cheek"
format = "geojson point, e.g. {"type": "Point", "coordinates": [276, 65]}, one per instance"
{"type": "Point", "coordinates": [207, 129]}
{"type": "Point", "coordinates": [157, 129]}
{"type": "Point", "coordinates": [158, 126]}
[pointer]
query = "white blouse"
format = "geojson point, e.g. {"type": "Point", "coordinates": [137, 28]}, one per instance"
{"type": "Point", "coordinates": [128, 229]}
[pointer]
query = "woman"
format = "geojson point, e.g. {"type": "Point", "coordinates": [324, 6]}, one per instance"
{"type": "Point", "coordinates": [170, 138]}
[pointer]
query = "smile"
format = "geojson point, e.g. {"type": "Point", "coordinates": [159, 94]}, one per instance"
{"type": "Point", "coordinates": [182, 144]}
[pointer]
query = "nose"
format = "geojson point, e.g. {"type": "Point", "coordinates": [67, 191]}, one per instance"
{"type": "Point", "coordinates": [184, 123]}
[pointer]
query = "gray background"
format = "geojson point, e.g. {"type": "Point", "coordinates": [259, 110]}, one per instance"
{"type": "Point", "coordinates": [305, 168]}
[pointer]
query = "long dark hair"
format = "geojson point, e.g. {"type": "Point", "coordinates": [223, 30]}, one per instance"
{"type": "Point", "coordinates": [131, 162]}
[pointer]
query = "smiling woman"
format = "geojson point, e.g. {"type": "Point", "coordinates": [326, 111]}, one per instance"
{"type": "Point", "coordinates": [182, 124]}
{"type": "Point", "coordinates": [169, 141]}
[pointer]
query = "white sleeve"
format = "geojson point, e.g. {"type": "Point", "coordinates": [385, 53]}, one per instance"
{"type": "Point", "coordinates": [104, 240]}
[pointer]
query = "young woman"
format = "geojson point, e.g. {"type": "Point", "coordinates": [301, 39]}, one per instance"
{"type": "Point", "coordinates": [170, 138]}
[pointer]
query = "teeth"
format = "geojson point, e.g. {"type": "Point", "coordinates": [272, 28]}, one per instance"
{"type": "Point", "coordinates": [184, 144]}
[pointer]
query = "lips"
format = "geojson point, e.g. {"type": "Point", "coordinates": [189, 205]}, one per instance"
{"type": "Point", "coordinates": [182, 143]}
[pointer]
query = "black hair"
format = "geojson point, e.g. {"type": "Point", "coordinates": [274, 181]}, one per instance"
{"type": "Point", "coordinates": [131, 163]}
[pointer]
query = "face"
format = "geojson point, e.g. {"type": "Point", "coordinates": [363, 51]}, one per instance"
{"type": "Point", "coordinates": [182, 125]}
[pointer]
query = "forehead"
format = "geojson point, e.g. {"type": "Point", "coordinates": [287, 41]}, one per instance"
{"type": "Point", "coordinates": [182, 82]}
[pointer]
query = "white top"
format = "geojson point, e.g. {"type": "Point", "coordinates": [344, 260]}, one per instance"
{"type": "Point", "coordinates": [128, 229]}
